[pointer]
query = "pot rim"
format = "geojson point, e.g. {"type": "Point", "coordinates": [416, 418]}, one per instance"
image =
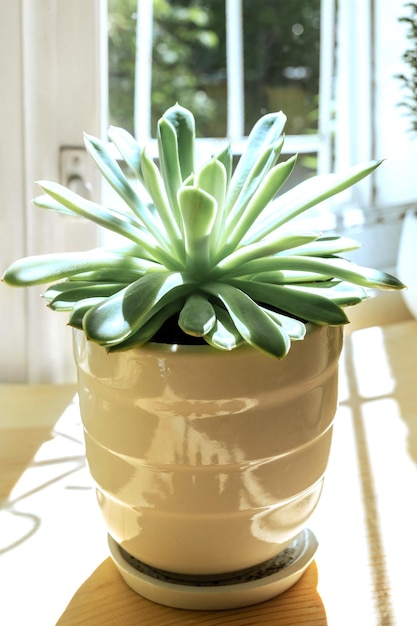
{"type": "Point", "coordinates": [175, 348]}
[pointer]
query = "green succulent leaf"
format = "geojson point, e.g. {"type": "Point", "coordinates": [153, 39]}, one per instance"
{"type": "Point", "coordinates": [266, 133]}
{"type": "Point", "coordinates": [333, 268]}
{"type": "Point", "coordinates": [170, 164]}
{"type": "Point", "coordinates": [285, 277]}
{"type": "Point", "coordinates": [113, 174]}
{"type": "Point", "coordinates": [110, 275]}
{"type": "Point", "coordinates": [128, 148]}
{"type": "Point", "coordinates": [252, 322]}
{"type": "Point", "coordinates": [296, 301]}
{"type": "Point", "coordinates": [79, 310]}
{"type": "Point", "coordinates": [104, 217]}
{"type": "Point", "coordinates": [236, 262]}
{"type": "Point", "coordinates": [123, 314]}
{"type": "Point", "coordinates": [295, 329]}
{"type": "Point", "coordinates": [212, 178]}
{"type": "Point", "coordinates": [255, 197]}
{"type": "Point", "coordinates": [63, 296]}
{"type": "Point", "coordinates": [45, 201]}
{"type": "Point", "coordinates": [183, 123]}
{"type": "Point", "coordinates": [341, 293]}
{"type": "Point", "coordinates": [68, 286]}
{"type": "Point", "coordinates": [45, 268]}
{"type": "Point", "coordinates": [225, 156]}
{"type": "Point", "coordinates": [149, 329]}
{"type": "Point", "coordinates": [256, 176]}
{"type": "Point", "coordinates": [197, 316]}
{"type": "Point", "coordinates": [59, 198]}
{"type": "Point", "coordinates": [328, 246]}
{"type": "Point", "coordinates": [155, 186]}
{"type": "Point", "coordinates": [224, 334]}
{"type": "Point", "coordinates": [189, 181]}
{"type": "Point", "coordinates": [198, 211]}
{"type": "Point", "coordinates": [304, 196]}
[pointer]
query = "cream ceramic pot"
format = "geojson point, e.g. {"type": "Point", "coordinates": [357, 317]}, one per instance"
{"type": "Point", "coordinates": [208, 462]}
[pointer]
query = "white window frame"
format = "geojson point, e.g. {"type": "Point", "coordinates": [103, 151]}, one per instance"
{"type": "Point", "coordinates": [319, 142]}
{"type": "Point", "coordinates": [358, 94]}
{"type": "Point", "coordinates": [352, 64]}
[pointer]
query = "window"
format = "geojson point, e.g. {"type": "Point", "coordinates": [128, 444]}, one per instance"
{"type": "Point", "coordinates": [57, 49]}
{"type": "Point", "coordinates": [229, 61]}
{"type": "Point", "coordinates": [323, 62]}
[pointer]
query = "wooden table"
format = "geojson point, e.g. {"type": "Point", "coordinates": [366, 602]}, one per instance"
{"type": "Point", "coordinates": [54, 564]}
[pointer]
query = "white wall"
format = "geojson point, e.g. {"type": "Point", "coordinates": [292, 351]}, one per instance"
{"type": "Point", "coordinates": [12, 190]}
{"type": "Point", "coordinates": [396, 181]}
{"type": "Point", "coordinates": [52, 91]}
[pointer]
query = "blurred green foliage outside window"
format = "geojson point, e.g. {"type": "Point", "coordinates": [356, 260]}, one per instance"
{"type": "Point", "coordinates": [281, 61]}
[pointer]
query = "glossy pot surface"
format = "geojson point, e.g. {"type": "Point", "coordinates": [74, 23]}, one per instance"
{"type": "Point", "coordinates": [208, 462]}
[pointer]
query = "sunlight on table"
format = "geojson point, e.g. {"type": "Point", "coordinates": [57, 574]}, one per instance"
{"type": "Point", "coordinates": [51, 534]}
{"type": "Point", "coordinates": [372, 479]}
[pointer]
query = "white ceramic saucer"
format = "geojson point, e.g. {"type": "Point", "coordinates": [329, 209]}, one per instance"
{"type": "Point", "coordinates": [239, 589]}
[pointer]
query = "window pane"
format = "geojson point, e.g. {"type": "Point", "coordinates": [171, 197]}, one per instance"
{"type": "Point", "coordinates": [121, 46]}
{"type": "Point", "coordinates": [282, 59]}
{"type": "Point", "coordinates": [188, 61]}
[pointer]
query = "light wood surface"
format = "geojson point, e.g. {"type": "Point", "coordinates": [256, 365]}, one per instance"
{"type": "Point", "coordinates": [109, 599]}
{"type": "Point", "coordinates": [54, 563]}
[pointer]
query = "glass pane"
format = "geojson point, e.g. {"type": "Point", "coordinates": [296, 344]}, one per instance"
{"type": "Point", "coordinates": [188, 62]}
{"type": "Point", "coordinates": [121, 51]}
{"type": "Point", "coordinates": [282, 61]}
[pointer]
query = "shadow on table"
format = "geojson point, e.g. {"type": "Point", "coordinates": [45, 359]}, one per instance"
{"type": "Point", "coordinates": [27, 423]}
{"type": "Point", "coordinates": [105, 599]}
{"type": "Point", "coordinates": [21, 434]}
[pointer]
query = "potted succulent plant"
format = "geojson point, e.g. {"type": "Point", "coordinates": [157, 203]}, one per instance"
{"type": "Point", "coordinates": [207, 446]}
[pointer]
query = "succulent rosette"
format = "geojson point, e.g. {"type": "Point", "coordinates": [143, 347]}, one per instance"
{"type": "Point", "coordinates": [209, 249]}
